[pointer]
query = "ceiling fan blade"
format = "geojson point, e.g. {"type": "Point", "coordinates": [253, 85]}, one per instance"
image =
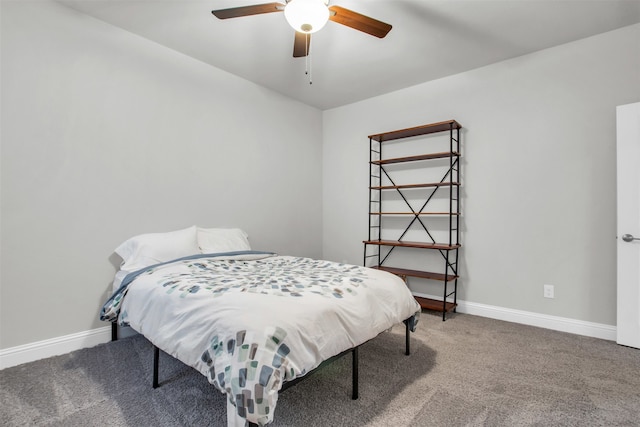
{"type": "Point", "coordinates": [358, 21]}
{"type": "Point", "coordinates": [301, 44]}
{"type": "Point", "coordinates": [256, 9]}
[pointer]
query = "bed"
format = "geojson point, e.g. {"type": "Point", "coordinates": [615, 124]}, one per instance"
{"type": "Point", "coordinates": [250, 321]}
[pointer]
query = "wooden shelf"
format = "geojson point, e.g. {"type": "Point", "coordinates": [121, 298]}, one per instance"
{"type": "Point", "coordinates": [426, 185]}
{"type": "Point", "coordinates": [403, 272]}
{"type": "Point", "coordinates": [416, 131]}
{"type": "Point", "coordinates": [421, 245]}
{"type": "Point", "coordinates": [431, 156]}
{"type": "Point", "coordinates": [387, 214]}
{"type": "Point", "coordinates": [435, 305]}
{"type": "Point", "coordinates": [425, 303]}
{"type": "Point", "coordinates": [414, 213]}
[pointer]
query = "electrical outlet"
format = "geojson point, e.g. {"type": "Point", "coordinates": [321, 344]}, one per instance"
{"type": "Point", "coordinates": [548, 291]}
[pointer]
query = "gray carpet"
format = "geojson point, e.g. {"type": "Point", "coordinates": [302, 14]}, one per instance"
{"type": "Point", "coordinates": [467, 371]}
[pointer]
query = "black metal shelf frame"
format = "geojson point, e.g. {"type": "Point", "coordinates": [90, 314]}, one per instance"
{"type": "Point", "coordinates": [450, 179]}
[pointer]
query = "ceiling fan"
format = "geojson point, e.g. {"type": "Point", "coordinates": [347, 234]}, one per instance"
{"type": "Point", "coordinates": [309, 16]}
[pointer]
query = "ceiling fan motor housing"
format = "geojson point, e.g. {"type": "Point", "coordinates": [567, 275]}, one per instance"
{"type": "Point", "coordinates": [307, 16]}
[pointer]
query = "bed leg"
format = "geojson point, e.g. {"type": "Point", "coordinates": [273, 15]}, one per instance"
{"type": "Point", "coordinates": [407, 339]}
{"type": "Point", "coordinates": [354, 373]}
{"type": "Point", "coordinates": [156, 358]}
{"type": "Point", "coordinates": [114, 331]}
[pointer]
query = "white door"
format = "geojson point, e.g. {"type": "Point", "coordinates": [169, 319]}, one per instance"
{"type": "Point", "coordinates": [628, 229]}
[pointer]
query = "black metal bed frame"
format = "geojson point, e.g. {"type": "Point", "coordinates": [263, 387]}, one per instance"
{"type": "Point", "coordinates": [354, 362]}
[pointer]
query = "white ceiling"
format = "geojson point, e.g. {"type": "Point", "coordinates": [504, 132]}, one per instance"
{"type": "Point", "coordinates": [429, 39]}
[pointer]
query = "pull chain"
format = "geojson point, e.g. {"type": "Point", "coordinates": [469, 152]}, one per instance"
{"type": "Point", "coordinates": [308, 59]}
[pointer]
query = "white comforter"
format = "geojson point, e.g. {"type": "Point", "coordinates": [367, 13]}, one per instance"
{"type": "Point", "coordinates": [252, 321]}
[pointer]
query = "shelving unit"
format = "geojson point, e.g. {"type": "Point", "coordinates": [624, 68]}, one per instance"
{"type": "Point", "coordinates": [385, 218]}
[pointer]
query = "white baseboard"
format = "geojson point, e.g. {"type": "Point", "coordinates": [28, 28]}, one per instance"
{"type": "Point", "coordinates": [18, 355]}
{"type": "Point", "coordinates": [556, 323]}
{"type": "Point", "coordinates": [55, 346]}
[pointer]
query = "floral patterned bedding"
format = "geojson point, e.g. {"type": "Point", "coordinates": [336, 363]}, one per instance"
{"type": "Point", "coordinates": [249, 321]}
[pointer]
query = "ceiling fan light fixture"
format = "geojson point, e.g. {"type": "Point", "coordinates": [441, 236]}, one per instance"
{"type": "Point", "coordinates": [307, 16]}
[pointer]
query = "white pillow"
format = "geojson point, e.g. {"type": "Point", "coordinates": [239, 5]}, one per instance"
{"type": "Point", "coordinates": [218, 240]}
{"type": "Point", "coordinates": [153, 248]}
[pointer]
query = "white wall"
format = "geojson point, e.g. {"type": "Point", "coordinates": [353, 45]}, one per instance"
{"type": "Point", "coordinates": [539, 172]}
{"type": "Point", "coordinates": [106, 135]}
